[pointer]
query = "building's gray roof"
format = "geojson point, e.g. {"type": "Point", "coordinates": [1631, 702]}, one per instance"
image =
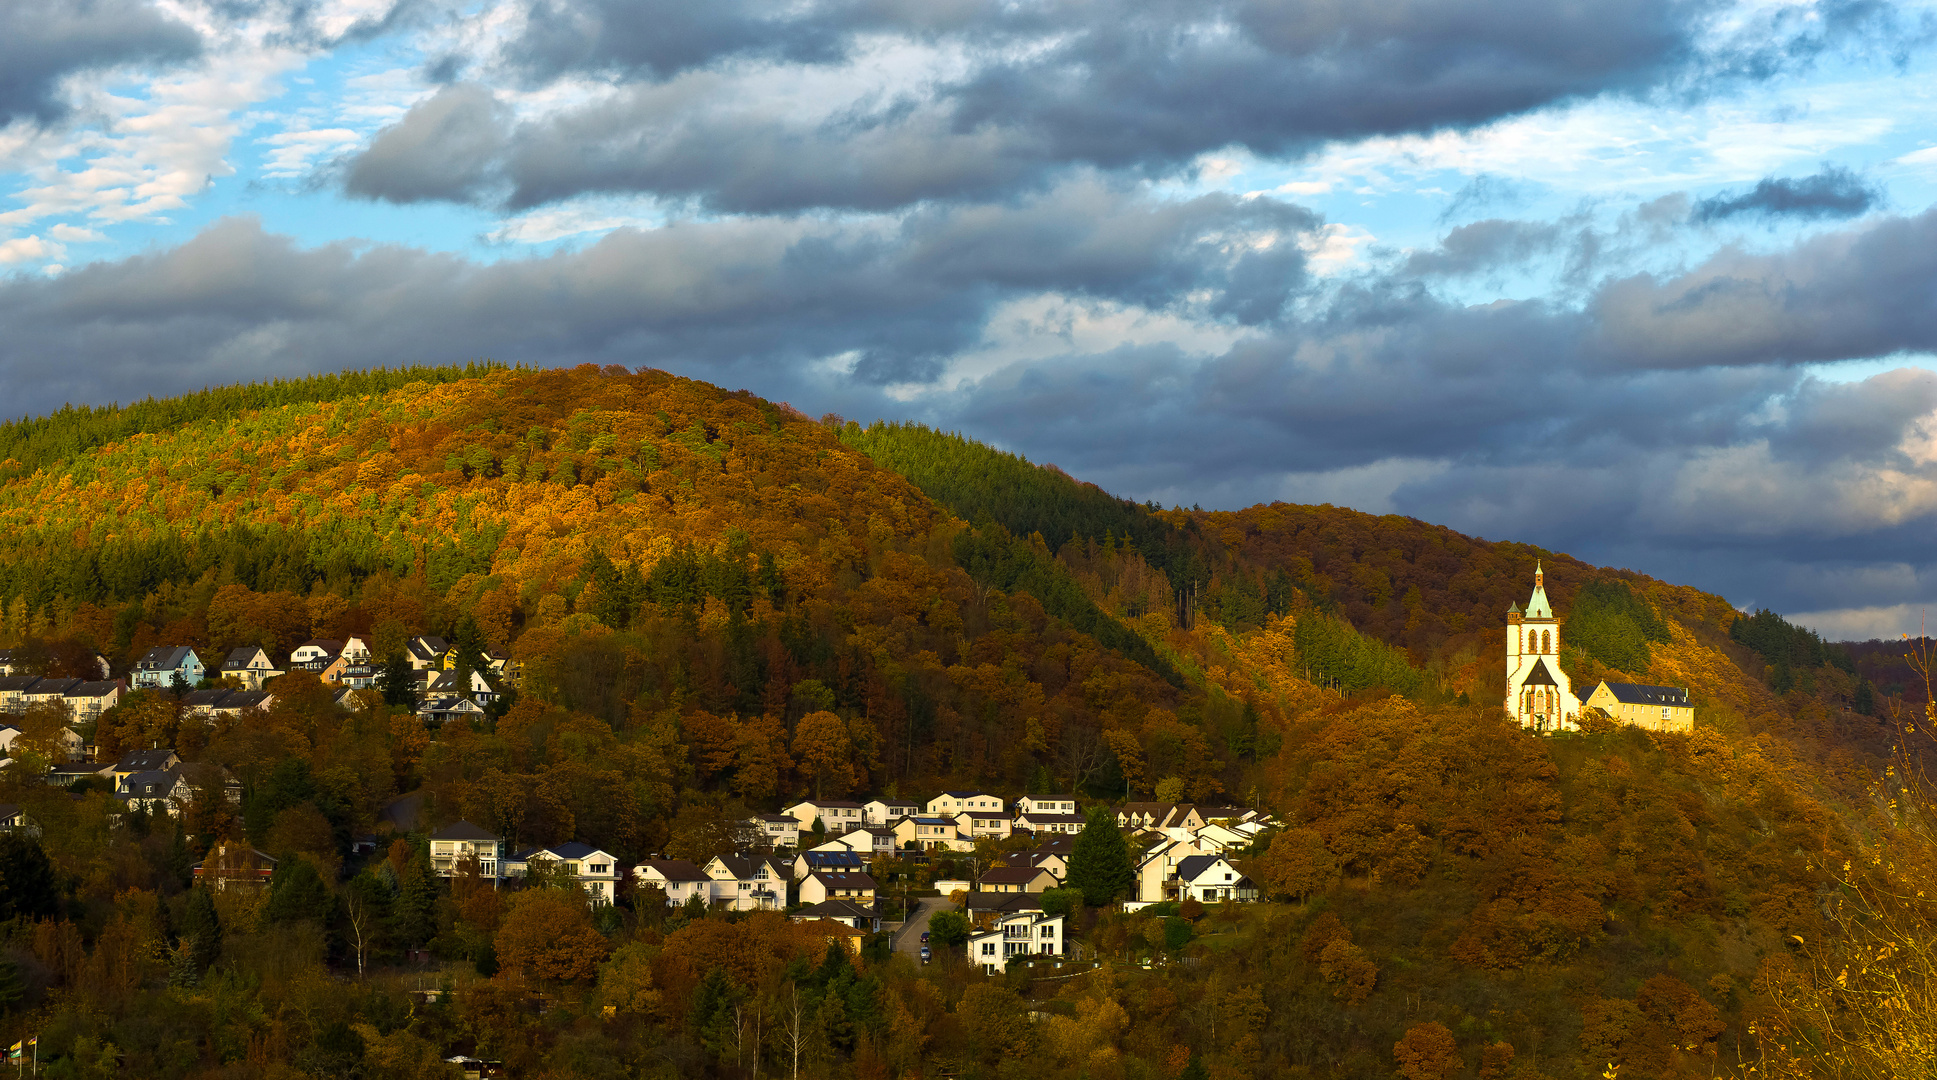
{"type": "Point", "coordinates": [677, 869]}
{"type": "Point", "coordinates": [1540, 675]}
{"type": "Point", "coordinates": [1192, 865]}
{"type": "Point", "coordinates": [99, 688]}
{"type": "Point", "coordinates": [1637, 694]}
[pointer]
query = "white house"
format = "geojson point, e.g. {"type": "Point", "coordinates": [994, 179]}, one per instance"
{"type": "Point", "coordinates": [1047, 804]}
{"type": "Point", "coordinates": [776, 830]}
{"type": "Point", "coordinates": [867, 840]}
{"type": "Point", "coordinates": [888, 811]}
{"type": "Point", "coordinates": [1025, 933]}
{"type": "Point", "coordinates": [823, 885]}
{"type": "Point", "coordinates": [250, 666]}
{"type": "Point", "coordinates": [451, 845]}
{"type": "Point", "coordinates": [679, 879]}
{"type": "Point", "coordinates": [1157, 870]}
{"type": "Point", "coordinates": [983, 825]}
{"type": "Point", "coordinates": [835, 815]}
{"type": "Point", "coordinates": [597, 872]}
{"type": "Point", "coordinates": [1040, 824]}
{"type": "Point", "coordinates": [311, 655]}
{"type": "Point", "coordinates": [1209, 878]}
{"type": "Point", "coordinates": [1220, 838]}
{"type": "Point", "coordinates": [931, 832]}
{"type": "Point", "coordinates": [748, 882]}
{"type": "Point", "coordinates": [950, 803]}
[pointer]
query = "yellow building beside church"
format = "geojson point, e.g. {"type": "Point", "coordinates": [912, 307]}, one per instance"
{"type": "Point", "coordinates": [1540, 695]}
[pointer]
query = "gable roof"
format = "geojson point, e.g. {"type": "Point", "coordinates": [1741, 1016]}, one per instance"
{"type": "Point", "coordinates": [844, 879]}
{"type": "Point", "coordinates": [676, 869]}
{"type": "Point", "coordinates": [839, 907]}
{"type": "Point", "coordinates": [143, 760]}
{"type": "Point", "coordinates": [965, 794]}
{"type": "Point", "coordinates": [1192, 865]}
{"type": "Point", "coordinates": [1539, 676]}
{"type": "Point", "coordinates": [845, 857]}
{"type": "Point", "coordinates": [1638, 694]}
{"type": "Point", "coordinates": [239, 658]}
{"type": "Point", "coordinates": [163, 657]}
{"type": "Point", "coordinates": [1012, 875]}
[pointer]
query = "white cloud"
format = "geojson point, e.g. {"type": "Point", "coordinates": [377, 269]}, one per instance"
{"type": "Point", "coordinates": [29, 249]}
{"type": "Point", "coordinates": [74, 234]}
{"type": "Point", "coordinates": [295, 152]}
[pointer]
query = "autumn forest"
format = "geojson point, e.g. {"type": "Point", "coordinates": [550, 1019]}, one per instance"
{"type": "Point", "coordinates": [716, 606]}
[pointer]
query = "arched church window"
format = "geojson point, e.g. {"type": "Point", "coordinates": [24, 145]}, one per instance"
{"type": "Point", "coordinates": [1546, 642]}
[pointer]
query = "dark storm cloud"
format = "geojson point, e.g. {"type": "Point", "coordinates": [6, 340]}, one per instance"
{"type": "Point", "coordinates": [44, 41]}
{"type": "Point", "coordinates": [1137, 86]}
{"type": "Point", "coordinates": [442, 148]}
{"type": "Point", "coordinates": [236, 303]}
{"type": "Point", "coordinates": [1832, 193]}
{"type": "Point", "coordinates": [1867, 292]}
{"type": "Point", "coordinates": [1483, 246]}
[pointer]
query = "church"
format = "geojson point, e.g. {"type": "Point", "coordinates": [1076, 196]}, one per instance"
{"type": "Point", "coordinates": [1539, 694]}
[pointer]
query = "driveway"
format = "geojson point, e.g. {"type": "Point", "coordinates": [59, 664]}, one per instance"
{"type": "Point", "coordinates": [909, 942]}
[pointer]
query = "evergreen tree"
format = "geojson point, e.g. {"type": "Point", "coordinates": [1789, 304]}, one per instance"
{"type": "Point", "coordinates": [414, 916]}
{"type": "Point", "coordinates": [201, 929]}
{"type": "Point", "coordinates": [28, 887]}
{"type": "Point", "coordinates": [297, 892]}
{"type": "Point", "coordinates": [1099, 861]}
{"type": "Point", "coordinates": [398, 683]}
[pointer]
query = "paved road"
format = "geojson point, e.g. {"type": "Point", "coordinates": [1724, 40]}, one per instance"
{"type": "Point", "coordinates": [909, 942]}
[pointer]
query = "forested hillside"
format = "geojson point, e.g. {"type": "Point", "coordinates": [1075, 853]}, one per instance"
{"type": "Point", "coordinates": [719, 606]}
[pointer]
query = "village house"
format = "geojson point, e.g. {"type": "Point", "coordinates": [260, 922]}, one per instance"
{"type": "Point", "coordinates": [828, 885]}
{"type": "Point", "coordinates": [161, 667]}
{"type": "Point", "coordinates": [171, 791]}
{"type": "Point", "coordinates": [249, 665]}
{"type": "Point", "coordinates": [679, 879]}
{"type": "Point", "coordinates": [72, 747]}
{"type": "Point", "coordinates": [234, 866]}
{"type": "Point", "coordinates": [776, 830]}
{"type": "Point", "coordinates": [15, 820]}
{"type": "Point", "coordinates": [832, 860]}
{"type": "Point", "coordinates": [835, 816]}
{"type": "Point", "coordinates": [1015, 879]}
{"type": "Point", "coordinates": [13, 692]}
{"type": "Point", "coordinates": [49, 692]}
{"type": "Point", "coordinates": [597, 872]}
{"type": "Point", "coordinates": [87, 701]}
{"type": "Point", "coordinates": [1023, 934]}
{"type": "Point", "coordinates": [1159, 817]}
{"type": "Point", "coordinates": [449, 684]}
{"type": "Point", "coordinates": [426, 653]}
{"type": "Point", "coordinates": [983, 825]}
{"type": "Point", "coordinates": [136, 761]}
{"type": "Point", "coordinates": [209, 704]}
{"type": "Point", "coordinates": [315, 654]}
{"type": "Point", "coordinates": [846, 913]}
{"type": "Point", "coordinates": [1156, 870]}
{"type": "Point", "coordinates": [446, 709]}
{"type": "Point", "coordinates": [926, 833]}
{"type": "Point", "coordinates": [1656, 708]}
{"type": "Point", "coordinates": [1209, 878]}
{"type": "Point", "coordinates": [888, 811]}
{"type": "Point", "coordinates": [748, 882]}
{"type": "Point", "coordinates": [1047, 804]}
{"type": "Point", "coordinates": [452, 846]}
{"type": "Point", "coordinates": [950, 803]}
{"type": "Point", "coordinates": [867, 840]}
{"type": "Point", "coordinates": [1052, 858]}
{"type": "Point", "coordinates": [1045, 824]}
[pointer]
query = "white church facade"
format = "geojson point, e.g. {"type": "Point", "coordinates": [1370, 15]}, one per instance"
{"type": "Point", "coordinates": [1539, 694]}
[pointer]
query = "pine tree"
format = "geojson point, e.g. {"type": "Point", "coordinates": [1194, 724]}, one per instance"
{"type": "Point", "coordinates": [201, 929]}
{"type": "Point", "coordinates": [1099, 862]}
{"type": "Point", "coordinates": [398, 683]}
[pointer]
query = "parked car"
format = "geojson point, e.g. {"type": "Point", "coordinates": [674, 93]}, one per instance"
{"type": "Point", "coordinates": [924, 937]}
{"type": "Point", "coordinates": [924, 954]}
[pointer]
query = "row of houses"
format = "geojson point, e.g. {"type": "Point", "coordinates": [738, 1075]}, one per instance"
{"type": "Point", "coordinates": [959, 820]}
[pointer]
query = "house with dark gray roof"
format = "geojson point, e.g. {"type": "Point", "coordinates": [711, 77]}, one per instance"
{"type": "Point", "coordinates": [161, 667]}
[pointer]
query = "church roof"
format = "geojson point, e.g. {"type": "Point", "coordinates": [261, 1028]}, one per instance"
{"type": "Point", "coordinates": [1537, 606]}
{"type": "Point", "coordinates": [1539, 676]}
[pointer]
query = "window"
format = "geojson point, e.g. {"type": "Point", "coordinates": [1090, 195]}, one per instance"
{"type": "Point", "coordinates": [1664, 712]}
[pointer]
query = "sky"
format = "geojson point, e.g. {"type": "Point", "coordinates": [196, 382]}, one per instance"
{"type": "Point", "coordinates": [1653, 282]}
